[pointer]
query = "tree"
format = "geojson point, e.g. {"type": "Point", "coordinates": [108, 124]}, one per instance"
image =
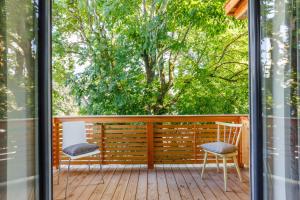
{"type": "Point", "coordinates": [151, 57]}
{"type": "Point", "coordinates": [18, 48]}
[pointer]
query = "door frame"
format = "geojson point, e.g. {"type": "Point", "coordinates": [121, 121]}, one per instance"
{"type": "Point", "coordinates": [44, 98]}
{"type": "Point", "coordinates": [255, 102]}
{"type": "Point", "coordinates": [45, 117]}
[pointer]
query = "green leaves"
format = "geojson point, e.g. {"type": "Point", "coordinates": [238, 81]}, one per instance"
{"type": "Point", "coordinates": [149, 57]}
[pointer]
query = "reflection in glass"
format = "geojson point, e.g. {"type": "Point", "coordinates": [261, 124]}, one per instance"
{"type": "Point", "coordinates": [280, 58]}
{"type": "Point", "coordinates": [18, 100]}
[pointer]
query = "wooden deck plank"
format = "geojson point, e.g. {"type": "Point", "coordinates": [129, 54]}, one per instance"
{"type": "Point", "coordinates": [110, 190]}
{"type": "Point", "coordinates": [204, 188]}
{"type": "Point", "coordinates": [72, 187]}
{"type": "Point", "coordinates": [76, 193]}
{"type": "Point", "coordinates": [218, 192]}
{"type": "Point", "coordinates": [172, 185]}
{"type": "Point", "coordinates": [162, 187]}
{"type": "Point", "coordinates": [182, 186]}
{"type": "Point", "coordinates": [98, 192]}
{"type": "Point", "coordinates": [59, 187]}
{"type": "Point", "coordinates": [74, 179]}
{"type": "Point", "coordinates": [152, 185]}
{"type": "Point", "coordinates": [121, 188]}
{"type": "Point", "coordinates": [95, 182]}
{"type": "Point", "coordinates": [142, 189]}
{"type": "Point", "coordinates": [245, 184]}
{"type": "Point", "coordinates": [236, 187]}
{"type": "Point", "coordinates": [165, 182]}
{"type": "Point", "coordinates": [192, 185]}
{"type": "Point", "coordinates": [132, 184]}
{"type": "Point", "coordinates": [219, 180]}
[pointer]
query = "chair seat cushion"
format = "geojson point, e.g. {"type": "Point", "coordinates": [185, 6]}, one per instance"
{"type": "Point", "coordinates": [219, 147]}
{"type": "Point", "coordinates": [79, 149]}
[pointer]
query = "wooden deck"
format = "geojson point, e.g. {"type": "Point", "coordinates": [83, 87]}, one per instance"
{"type": "Point", "coordinates": [137, 182]}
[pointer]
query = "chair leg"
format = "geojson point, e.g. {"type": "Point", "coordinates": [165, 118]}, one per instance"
{"type": "Point", "coordinates": [237, 168]}
{"type": "Point", "coordinates": [89, 165]}
{"type": "Point", "coordinates": [217, 161]}
{"type": "Point", "coordinates": [204, 164]}
{"type": "Point", "coordinates": [225, 173]}
{"type": "Point", "coordinates": [101, 170]}
{"type": "Point", "coordinates": [66, 191]}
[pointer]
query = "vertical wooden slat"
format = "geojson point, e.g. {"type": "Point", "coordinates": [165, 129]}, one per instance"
{"type": "Point", "coordinates": [53, 145]}
{"type": "Point", "coordinates": [195, 143]}
{"type": "Point", "coordinates": [224, 133]}
{"type": "Point", "coordinates": [240, 162]}
{"type": "Point", "coordinates": [218, 133]}
{"type": "Point", "coordinates": [150, 148]}
{"type": "Point", "coordinates": [240, 155]}
{"type": "Point", "coordinates": [56, 135]}
{"type": "Point", "coordinates": [102, 149]}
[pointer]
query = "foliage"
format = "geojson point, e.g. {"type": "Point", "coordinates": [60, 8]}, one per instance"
{"type": "Point", "coordinates": [150, 57]}
{"type": "Point", "coordinates": [18, 66]}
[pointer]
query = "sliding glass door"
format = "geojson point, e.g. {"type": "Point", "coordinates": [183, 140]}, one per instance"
{"type": "Point", "coordinates": [279, 78]}
{"type": "Point", "coordinates": [20, 102]}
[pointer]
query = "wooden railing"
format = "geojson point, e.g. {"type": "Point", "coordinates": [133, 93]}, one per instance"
{"type": "Point", "coordinates": [150, 139]}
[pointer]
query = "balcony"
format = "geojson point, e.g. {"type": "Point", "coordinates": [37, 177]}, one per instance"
{"type": "Point", "coordinates": [151, 157]}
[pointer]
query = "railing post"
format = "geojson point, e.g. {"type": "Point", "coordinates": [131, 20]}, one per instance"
{"type": "Point", "coordinates": [150, 149]}
{"type": "Point", "coordinates": [56, 135]}
{"type": "Point", "coordinates": [239, 157]}
{"type": "Point", "coordinates": [245, 142]}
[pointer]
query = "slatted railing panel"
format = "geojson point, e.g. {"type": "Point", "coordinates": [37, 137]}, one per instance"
{"type": "Point", "coordinates": [119, 144]}
{"type": "Point", "coordinates": [55, 142]}
{"type": "Point", "coordinates": [125, 144]}
{"type": "Point", "coordinates": [144, 139]}
{"type": "Point", "coordinates": [180, 142]}
{"type": "Point", "coordinates": [174, 143]}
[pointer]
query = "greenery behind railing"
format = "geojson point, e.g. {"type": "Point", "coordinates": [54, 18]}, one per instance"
{"type": "Point", "coordinates": [148, 57]}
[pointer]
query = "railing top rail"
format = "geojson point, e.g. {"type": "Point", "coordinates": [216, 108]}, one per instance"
{"type": "Point", "coordinates": [234, 115]}
{"type": "Point", "coordinates": [151, 118]}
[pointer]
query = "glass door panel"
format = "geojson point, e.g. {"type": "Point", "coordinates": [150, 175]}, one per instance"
{"type": "Point", "coordinates": [18, 100]}
{"type": "Point", "coordinates": [280, 62]}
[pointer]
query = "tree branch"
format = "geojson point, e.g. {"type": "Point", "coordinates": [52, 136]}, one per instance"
{"type": "Point", "coordinates": [229, 44]}
{"type": "Point", "coordinates": [227, 63]}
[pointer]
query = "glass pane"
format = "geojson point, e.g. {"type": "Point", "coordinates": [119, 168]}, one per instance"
{"type": "Point", "coordinates": [18, 100]}
{"type": "Point", "coordinates": [280, 23]}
